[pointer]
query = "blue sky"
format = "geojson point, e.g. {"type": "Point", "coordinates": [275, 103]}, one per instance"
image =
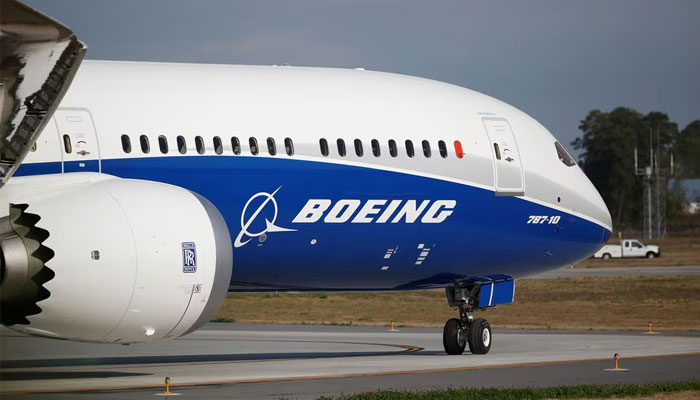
{"type": "Point", "coordinates": [554, 59]}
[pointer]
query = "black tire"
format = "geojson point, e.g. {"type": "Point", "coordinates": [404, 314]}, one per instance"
{"type": "Point", "coordinates": [480, 337]}
{"type": "Point", "coordinates": [651, 254]}
{"type": "Point", "coordinates": [454, 338]}
{"type": "Point", "coordinates": [606, 256]}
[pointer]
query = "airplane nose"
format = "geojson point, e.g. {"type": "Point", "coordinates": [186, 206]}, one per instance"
{"type": "Point", "coordinates": [604, 213]}
{"type": "Point", "coordinates": [597, 208]}
{"type": "Point", "coordinates": [594, 231]}
{"type": "Point", "coordinates": [607, 219]}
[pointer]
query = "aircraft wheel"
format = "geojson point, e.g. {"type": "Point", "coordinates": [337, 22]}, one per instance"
{"type": "Point", "coordinates": [454, 336]}
{"type": "Point", "coordinates": [479, 336]}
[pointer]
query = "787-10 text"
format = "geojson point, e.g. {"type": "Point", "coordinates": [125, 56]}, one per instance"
{"type": "Point", "coordinates": [543, 219]}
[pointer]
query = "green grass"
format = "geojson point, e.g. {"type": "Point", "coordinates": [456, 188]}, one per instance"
{"type": "Point", "coordinates": [560, 392]}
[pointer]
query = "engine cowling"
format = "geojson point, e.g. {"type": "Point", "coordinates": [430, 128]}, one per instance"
{"type": "Point", "coordinates": [113, 260]}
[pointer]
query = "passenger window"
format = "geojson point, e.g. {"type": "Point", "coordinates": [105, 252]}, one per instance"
{"type": "Point", "coordinates": [163, 144]}
{"type": "Point", "coordinates": [324, 147]}
{"type": "Point", "coordinates": [66, 144]}
{"type": "Point", "coordinates": [409, 149]}
{"type": "Point", "coordinates": [564, 155]}
{"type": "Point", "coordinates": [253, 143]}
{"type": "Point", "coordinates": [289, 146]}
{"type": "Point", "coordinates": [181, 145]}
{"type": "Point", "coordinates": [426, 149]}
{"type": "Point", "coordinates": [443, 148]}
{"type": "Point", "coordinates": [393, 150]}
{"type": "Point", "coordinates": [497, 150]}
{"type": "Point", "coordinates": [358, 148]}
{"type": "Point", "coordinates": [235, 145]}
{"type": "Point", "coordinates": [145, 144]}
{"type": "Point", "coordinates": [375, 148]}
{"type": "Point", "coordinates": [126, 143]}
{"type": "Point", "coordinates": [271, 147]}
{"type": "Point", "coordinates": [341, 147]}
{"type": "Point", "coordinates": [199, 144]}
{"type": "Point", "coordinates": [218, 146]}
{"type": "Point", "coordinates": [458, 149]}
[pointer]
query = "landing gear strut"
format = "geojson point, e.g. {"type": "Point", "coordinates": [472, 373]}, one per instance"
{"type": "Point", "coordinates": [465, 330]}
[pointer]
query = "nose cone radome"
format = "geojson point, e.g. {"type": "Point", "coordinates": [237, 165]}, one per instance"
{"type": "Point", "coordinates": [606, 213]}
{"type": "Point", "coordinates": [596, 208]}
{"type": "Point", "coordinates": [601, 208]}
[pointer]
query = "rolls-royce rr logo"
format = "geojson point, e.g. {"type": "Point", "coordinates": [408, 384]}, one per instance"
{"type": "Point", "coordinates": [247, 221]}
{"type": "Point", "coordinates": [189, 257]}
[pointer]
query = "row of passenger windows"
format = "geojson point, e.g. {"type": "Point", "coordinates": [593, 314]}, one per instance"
{"type": "Point", "coordinates": [563, 155]}
{"type": "Point", "coordinates": [200, 147]}
{"type": "Point", "coordinates": [218, 147]}
{"type": "Point", "coordinates": [393, 148]}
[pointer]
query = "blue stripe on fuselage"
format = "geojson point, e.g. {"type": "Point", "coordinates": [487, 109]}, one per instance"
{"type": "Point", "coordinates": [39, 169]}
{"type": "Point", "coordinates": [486, 235]}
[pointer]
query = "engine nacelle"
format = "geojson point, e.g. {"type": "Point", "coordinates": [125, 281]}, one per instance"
{"type": "Point", "coordinates": [112, 260]}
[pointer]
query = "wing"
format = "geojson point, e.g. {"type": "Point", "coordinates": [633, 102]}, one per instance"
{"type": "Point", "coordinates": [38, 59]}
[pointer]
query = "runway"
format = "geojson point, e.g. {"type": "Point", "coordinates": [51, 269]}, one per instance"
{"type": "Point", "coordinates": [271, 361]}
{"type": "Point", "coordinates": [614, 272]}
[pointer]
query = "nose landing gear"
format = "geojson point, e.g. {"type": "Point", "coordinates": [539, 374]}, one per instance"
{"type": "Point", "coordinates": [479, 336]}
{"type": "Point", "coordinates": [465, 330]}
{"type": "Point", "coordinates": [454, 336]}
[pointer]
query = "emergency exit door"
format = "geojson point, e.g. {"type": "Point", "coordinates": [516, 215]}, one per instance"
{"type": "Point", "coordinates": [78, 140]}
{"type": "Point", "coordinates": [509, 177]}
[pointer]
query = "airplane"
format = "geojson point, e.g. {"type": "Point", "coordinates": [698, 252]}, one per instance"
{"type": "Point", "coordinates": [135, 195]}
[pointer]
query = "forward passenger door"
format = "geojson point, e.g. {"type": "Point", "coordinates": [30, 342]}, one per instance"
{"type": "Point", "coordinates": [509, 177]}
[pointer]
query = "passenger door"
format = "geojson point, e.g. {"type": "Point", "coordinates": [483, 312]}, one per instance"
{"type": "Point", "coordinates": [79, 146]}
{"type": "Point", "coordinates": [509, 177]}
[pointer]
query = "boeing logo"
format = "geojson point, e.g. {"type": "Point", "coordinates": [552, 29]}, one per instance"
{"type": "Point", "coordinates": [375, 211]}
{"type": "Point", "coordinates": [269, 198]}
{"type": "Point", "coordinates": [354, 211]}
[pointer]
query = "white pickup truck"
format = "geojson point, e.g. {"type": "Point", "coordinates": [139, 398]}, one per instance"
{"type": "Point", "coordinates": [628, 248]}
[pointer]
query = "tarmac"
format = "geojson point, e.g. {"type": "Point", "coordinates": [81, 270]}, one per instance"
{"type": "Point", "coordinates": [281, 361]}
{"type": "Point", "coordinates": [250, 361]}
{"type": "Point", "coordinates": [614, 272]}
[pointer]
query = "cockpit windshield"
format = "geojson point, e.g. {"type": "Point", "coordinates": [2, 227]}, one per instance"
{"type": "Point", "coordinates": [564, 155]}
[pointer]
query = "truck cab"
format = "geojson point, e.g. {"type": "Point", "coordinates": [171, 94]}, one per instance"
{"type": "Point", "coordinates": [633, 248]}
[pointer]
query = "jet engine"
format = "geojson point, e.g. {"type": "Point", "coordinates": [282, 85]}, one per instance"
{"type": "Point", "coordinates": [110, 260]}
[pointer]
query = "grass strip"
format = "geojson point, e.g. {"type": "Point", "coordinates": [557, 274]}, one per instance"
{"type": "Point", "coordinates": [622, 303]}
{"type": "Point", "coordinates": [558, 392]}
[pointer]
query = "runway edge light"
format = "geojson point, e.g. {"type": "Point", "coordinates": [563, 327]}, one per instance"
{"type": "Point", "coordinates": [167, 389]}
{"type": "Point", "coordinates": [617, 368]}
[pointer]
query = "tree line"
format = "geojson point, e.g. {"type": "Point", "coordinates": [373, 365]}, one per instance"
{"type": "Point", "coordinates": [607, 157]}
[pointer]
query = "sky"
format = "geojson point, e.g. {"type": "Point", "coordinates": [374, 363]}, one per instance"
{"type": "Point", "coordinates": [554, 59]}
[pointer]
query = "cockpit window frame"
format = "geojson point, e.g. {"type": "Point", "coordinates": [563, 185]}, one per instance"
{"type": "Point", "coordinates": [564, 155]}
